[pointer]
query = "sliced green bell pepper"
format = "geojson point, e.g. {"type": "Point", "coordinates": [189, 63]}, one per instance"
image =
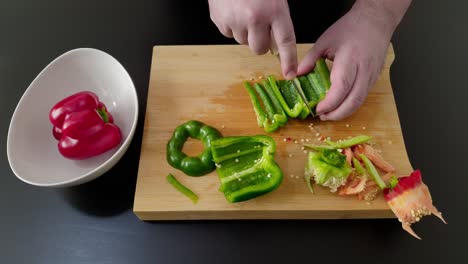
{"type": "Point", "coordinates": [192, 166]}
{"type": "Point", "coordinates": [347, 143]}
{"type": "Point", "coordinates": [246, 167]}
{"type": "Point", "coordinates": [372, 171]}
{"type": "Point", "coordinates": [182, 188]}
{"type": "Point", "coordinates": [279, 114]}
{"type": "Point", "coordinates": [287, 96]}
{"type": "Point", "coordinates": [272, 116]}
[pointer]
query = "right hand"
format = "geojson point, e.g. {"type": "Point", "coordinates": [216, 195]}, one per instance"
{"type": "Point", "coordinates": [259, 24]}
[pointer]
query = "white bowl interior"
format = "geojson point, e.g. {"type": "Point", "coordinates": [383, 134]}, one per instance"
{"type": "Point", "coordinates": [32, 150]}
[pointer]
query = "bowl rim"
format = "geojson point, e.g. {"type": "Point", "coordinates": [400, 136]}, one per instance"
{"type": "Point", "coordinates": [118, 153]}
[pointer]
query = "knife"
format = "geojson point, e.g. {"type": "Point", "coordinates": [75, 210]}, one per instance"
{"type": "Point", "coordinates": [274, 51]}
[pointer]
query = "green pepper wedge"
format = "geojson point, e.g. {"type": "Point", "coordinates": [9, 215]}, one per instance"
{"type": "Point", "coordinates": [246, 167]}
{"type": "Point", "coordinates": [192, 166]}
{"type": "Point", "coordinates": [287, 97]}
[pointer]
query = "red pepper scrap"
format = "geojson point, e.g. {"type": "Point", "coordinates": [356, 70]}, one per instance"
{"type": "Point", "coordinates": [410, 200]}
{"type": "Point", "coordinates": [83, 126]}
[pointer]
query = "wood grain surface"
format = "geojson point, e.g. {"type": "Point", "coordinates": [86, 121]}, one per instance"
{"type": "Point", "coordinates": [205, 83]}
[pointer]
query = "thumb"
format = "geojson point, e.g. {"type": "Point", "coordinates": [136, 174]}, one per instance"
{"type": "Point", "coordinates": [308, 62]}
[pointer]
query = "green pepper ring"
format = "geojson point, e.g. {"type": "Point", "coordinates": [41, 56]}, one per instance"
{"type": "Point", "coordinates": [201, 164]}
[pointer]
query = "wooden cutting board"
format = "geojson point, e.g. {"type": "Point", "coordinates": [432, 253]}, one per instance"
{"type": "Point", "coordinates": [205, 83]}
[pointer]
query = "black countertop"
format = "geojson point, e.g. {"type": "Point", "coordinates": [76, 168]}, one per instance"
{"type": "Point", "coordinates": [94, 223]}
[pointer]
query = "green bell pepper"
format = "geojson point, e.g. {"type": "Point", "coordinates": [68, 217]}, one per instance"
{"type": "Point", "coordinates": [372, 171]}
{"type": "Point", "coordinates": [272, 116]}
{"type": "Point", "coordinates": [192, 166]}
{"type": "Point", "coordinates": [347, 143]}
{"type": "Point", "coordinates": [246, 167]}
{"type": "Point", "coordinates": [181, 188]}
{"type": "Point", "coordinates": [287, 96]}
{"type": "Point", "coordinates": [280, 115]}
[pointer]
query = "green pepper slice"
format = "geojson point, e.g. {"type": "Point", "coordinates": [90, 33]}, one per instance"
{"type": "Point", "coordinates": [265, 117]}
{"type": "Point", "coordinates": [279, 114]}
{"type": "Point", "coordinates": [192, 166]}
{"type": "Point", "coordinates": [182, 188]}
{"type": "Point", "coordinates": [246, 166]}
{"type": "Point", "coordinates": [289, 99]}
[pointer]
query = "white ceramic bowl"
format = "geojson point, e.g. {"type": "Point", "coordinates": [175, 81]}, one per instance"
{"type": "Point", "coordinates": [32, 149]}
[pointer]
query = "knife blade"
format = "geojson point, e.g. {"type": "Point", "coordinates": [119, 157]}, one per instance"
{"type": "Point", "coordinates": [274, 51]}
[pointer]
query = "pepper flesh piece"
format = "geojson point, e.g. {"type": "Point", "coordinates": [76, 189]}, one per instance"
{"type": "Point", "coordinates": [246, 167]}
{"type": "Point", "coordinates": [410, 200]}
{"type": "Point", "coordinates": [288, 98]}
{"type": "Point", "coordinates": [199, 165]}
{"type": "Point", "coordinates": [182, 188]}
{"type": "Point", "coordinates": [373, 156]}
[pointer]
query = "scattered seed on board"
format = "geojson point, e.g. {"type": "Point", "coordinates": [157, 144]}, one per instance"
{"type": "Point", "coordinates": [295, 142]}
{"type": "Point", "coordinates": [302, 148]}
{"type": "Point", "coordinates": [317, 134]}
{"type": "Point", "coordinates": [291, 175]}
{"type": "Point", "coordinates": [290, 155]}
{"type": "Point", "coordinates": [305, 151]}
{"type": "Point", "coordinates": [363, 128]}
{"type": "Point", "coordinates": [222, 126]}
{"type": "Point", "coordinates": [284, 139]}
{"type": "Point", "coordinates": [390, 142]}
{"type": "Point", "coordinates": [307, 140]}
{"type": "Point", "coordinates": [252, 79]}
{"type": "Point", "coordinates": [347, 125]}
{"type": "Point", "coordinates": [297, 177]}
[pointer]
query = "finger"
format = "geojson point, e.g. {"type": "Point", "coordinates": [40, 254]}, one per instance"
{"type": "Point", "coordinates": [353, 101]}
{"type": "Point", "coordinates": [240, 35]}
{"type": "Point", "coordinates": [259, 39]}
{"type": "Point", "coordinates": [285, 39]}
{"type": "Point", "coordinates": [308, 62]}
{"type": "Point", "coordinates": [226, 31]}
{"type": "Point", "coordinates": [342, 77]}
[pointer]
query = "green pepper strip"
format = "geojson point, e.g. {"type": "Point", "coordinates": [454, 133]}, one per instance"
{"type": "Point", "coordinates": [181, 188]}
{"type": "Point", "coordinates": [341, 144]}
{"type": "Point", "coordinates": [289, 99]}
{"type": "Point", "coordinates": [373, 172]}
{"type": "Point", "coordinates": [246, 166]}
{"type": "Point", "coordinates": [358, 167]}
{"type": "Point", "coordinates": [192, 166]}
{"type": "Point", "coordinates": [272, 124]}
{"type": "Point", "coordinates": [280, 116]}
{"type": "Point", "coordinates": [259, 112]}
{"type": "Point", "coordinates": [265, 117]}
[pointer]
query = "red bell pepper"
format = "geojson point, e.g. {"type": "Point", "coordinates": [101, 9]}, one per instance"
{"type": "Point", "coordinates": [83, 126]}
{"type": "Point", "coordinates": [410, 200]}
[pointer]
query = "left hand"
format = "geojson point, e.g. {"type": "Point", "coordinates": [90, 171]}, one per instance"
{"type": "Point", "coordinates": [357, 43]}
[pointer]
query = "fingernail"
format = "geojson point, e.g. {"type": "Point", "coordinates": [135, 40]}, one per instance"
{"type": "Point", "coordinates": [290, 75]}
{"type": "Point", "coordinates": [323, 117]}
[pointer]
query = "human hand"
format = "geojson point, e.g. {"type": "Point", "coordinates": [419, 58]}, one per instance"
{"type": "Point", "coordinates": [357, 43]}
{"type": "Point", "coordinates": [259, 24]}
